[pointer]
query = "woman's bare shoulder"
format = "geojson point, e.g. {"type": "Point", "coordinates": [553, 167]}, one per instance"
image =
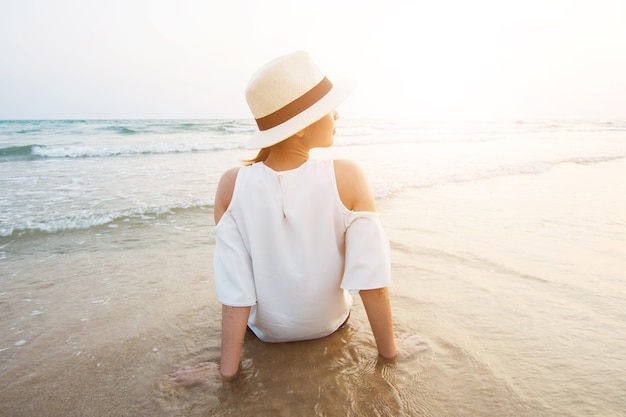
{"type": "Point", "coordinates": [347, 166]}
{"type": "Point", "coordinates": [354, 188]}
{"type": "Point", "coordinates": [224, 193]}
{"type": "Point", "coordinates": [229, 176]}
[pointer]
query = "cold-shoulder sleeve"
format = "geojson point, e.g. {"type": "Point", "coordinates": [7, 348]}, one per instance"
{"type": "Point", "coordinates": [367, 263]}
{"type": "Point", "coordinates": [234, 280]}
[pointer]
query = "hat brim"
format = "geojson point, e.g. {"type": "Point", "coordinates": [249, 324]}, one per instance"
{"type": "Point", "coordinates": [265, 138]}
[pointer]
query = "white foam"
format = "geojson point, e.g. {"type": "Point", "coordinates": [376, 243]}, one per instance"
{"type": "Point", "coordinates": [86, 221]}
{"type": "Point", "coordinates": [83, 151]}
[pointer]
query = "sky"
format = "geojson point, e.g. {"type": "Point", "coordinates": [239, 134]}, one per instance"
{"type": "Point", "coordinates": [445, 59]}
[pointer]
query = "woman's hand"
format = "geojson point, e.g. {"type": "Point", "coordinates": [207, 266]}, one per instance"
{"type": "Point", "coordinates": [188, 376]}
{"type": "Point", "coordinates": [409, 345]}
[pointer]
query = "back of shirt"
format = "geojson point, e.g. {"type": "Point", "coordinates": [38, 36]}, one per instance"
{"type": "Point", "coordinates": [281, 248]}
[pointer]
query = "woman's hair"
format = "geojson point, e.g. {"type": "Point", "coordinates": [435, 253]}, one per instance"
{"type": "Point", "coordinates": [260, 157]}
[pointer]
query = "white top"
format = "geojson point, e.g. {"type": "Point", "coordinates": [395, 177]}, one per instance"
{"type": "Point", "coordinates": [289, 248]}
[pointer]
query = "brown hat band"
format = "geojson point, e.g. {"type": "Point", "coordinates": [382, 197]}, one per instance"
{"type": "Point", "coordinates": [295, 107]}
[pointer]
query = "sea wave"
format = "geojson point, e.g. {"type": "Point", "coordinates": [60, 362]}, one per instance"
{"type": "Point", "coordinates": [91, 220]}
{"type": "Point", "coordinates": [537, 167]}
{"type": "Point", "coordinates": [387, 189]}
{"type": "Point", "coordinates": [17, 152]}
{"type": "Point", "coordinates": [122, 130]}
{"type": "Point", "coordinates": [176, 127]}
{"type": "Point", "coordinates": [124, 127]}
{"type": "Point", "coordinates": [34, 151]}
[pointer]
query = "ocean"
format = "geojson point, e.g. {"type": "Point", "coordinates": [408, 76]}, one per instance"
{"type": "Point", "coordinates": [508, 259]}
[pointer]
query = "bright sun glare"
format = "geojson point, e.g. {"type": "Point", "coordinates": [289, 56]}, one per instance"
{"type": "Point", "coordinates": [445, 59]}
{"type": "Point", "coordinates": [491, 60]}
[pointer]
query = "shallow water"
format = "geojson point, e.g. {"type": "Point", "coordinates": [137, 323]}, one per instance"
{"type": "Point", "coordinates": [508, 262]}
{"type": "Point", "coordinates": [540, 303]}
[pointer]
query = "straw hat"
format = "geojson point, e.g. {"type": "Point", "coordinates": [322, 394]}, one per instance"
{"type": "Point", "coordinates": [288, 94]}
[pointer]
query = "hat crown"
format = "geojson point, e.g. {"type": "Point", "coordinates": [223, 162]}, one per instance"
{"type": "Point", "coordinates": [281, 82]}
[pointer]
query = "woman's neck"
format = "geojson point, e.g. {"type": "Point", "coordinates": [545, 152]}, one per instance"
{"type": "Point", "coordinates": [287, 155]}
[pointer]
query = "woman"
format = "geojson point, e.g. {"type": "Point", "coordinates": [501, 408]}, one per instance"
{"type": "Point", "coordinates": [295, 238]}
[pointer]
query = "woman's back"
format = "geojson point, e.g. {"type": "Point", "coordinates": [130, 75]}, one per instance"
{"type": "Point", "coordinates": [292, 223]}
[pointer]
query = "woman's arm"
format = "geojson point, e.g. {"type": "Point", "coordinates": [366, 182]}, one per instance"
{"type": "Point", "coordinates": [234, 319]}
{"type": "Point", "coordinates": [234, 322]}
{"type": "Point", "coordinates": [356, 194]}
{"type": "Point", "coordinates": [378, 309]}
